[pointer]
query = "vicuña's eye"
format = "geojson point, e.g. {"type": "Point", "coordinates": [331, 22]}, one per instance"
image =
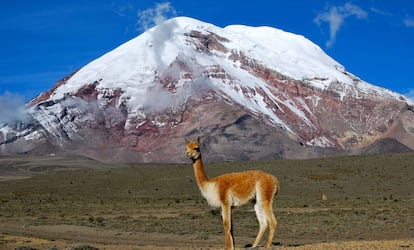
{"type": "Point", "coordinates": [197, 149]}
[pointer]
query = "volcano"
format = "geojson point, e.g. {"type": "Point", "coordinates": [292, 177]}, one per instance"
{"type": "Point", "coordinates": [249, 92]}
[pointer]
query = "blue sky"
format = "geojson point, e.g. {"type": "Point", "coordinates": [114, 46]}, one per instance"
{"type": "Point", "coordinates": [44, 40]}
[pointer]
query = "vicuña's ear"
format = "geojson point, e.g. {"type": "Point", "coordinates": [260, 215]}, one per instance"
{"type": "Point", "coordinates": [186, 141]}
{"type": "Point", "coordinates": [198, 140]}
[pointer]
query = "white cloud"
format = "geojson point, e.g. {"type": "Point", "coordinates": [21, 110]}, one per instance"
{"type": "Point", "coordinates": [154, 16]}
{"type": "Point", "coordinates": [409, 22]}
{"type": "Point", "coordinates": [336, 16]}
{"type": "Point", "coordinates": [123, 10]}
{"type": "Point", "coordinates": [12, 108]}
{"type": "Point", "coordinates": [410, 94]}
{"type": "Point", "coordinates": [381, 12]}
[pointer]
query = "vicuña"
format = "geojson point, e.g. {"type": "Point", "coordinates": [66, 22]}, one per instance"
{"type": "Point", "coordinates": [236, 189]}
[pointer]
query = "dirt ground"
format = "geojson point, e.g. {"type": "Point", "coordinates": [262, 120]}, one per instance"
{"type": "Point", "coordinates": [40, 238]}
{"type": "Point", "coordinates": [369, 205]}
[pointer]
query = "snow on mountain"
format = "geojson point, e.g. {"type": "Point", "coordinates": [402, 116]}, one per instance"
{"type": "Point", "coordinates": [132, 66]}
{"type": "Point", "coordinates": [154, 85]}
{"type": "Point", "coordinates": [289, 54]}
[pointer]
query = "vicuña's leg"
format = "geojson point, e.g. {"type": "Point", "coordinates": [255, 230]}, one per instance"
{"type": "Point", "coordinates": [261, 217]}
{"type": "Point", "coordinates": [226, 214]}
{"type": "Point", "coordinates": [272, 223]}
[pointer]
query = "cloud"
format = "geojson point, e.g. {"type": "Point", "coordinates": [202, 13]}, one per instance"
{"type": "Point", "coordinates": [163, 30]}
{"type": "Point", "coordinates": [123, 10]}
{"type": "Point", "coordinates": [381, 12]}
{"type": "Point", "coordinates": [154, 16]}
{"type": "Point", "coordinates": [12, 108]}
{"type": "Point", "coordinates": [410, 94]}
{"type": "Point", "coordinates": [409, 22]}
{"type": "Point", "coordinates": [335, 17]}
{"type": "Point", "coordinates": [143, 20]}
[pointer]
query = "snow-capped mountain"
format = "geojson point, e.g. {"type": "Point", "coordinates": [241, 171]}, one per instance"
{"type": "Point", "coordinates": [250, 92]}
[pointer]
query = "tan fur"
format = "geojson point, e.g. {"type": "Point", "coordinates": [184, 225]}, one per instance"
{"type": "Point", "coordinates": [236, 189]}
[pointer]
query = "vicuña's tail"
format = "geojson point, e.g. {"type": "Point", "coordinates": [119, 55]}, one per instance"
{"type": "Point", "coordinates": [277, 187]}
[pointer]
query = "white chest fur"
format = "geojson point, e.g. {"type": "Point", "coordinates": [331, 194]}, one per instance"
{"type": "Point", "coordinates": [211, 194]}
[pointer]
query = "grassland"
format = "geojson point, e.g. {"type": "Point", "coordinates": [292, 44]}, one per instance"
{"type": "Point", "coordinates": [76, 201]}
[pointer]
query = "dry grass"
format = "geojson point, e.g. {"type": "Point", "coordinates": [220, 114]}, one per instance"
{"type": "Point", "coordinates": [370, 198]}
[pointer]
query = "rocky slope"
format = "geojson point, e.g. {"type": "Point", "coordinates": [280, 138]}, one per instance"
{"type": "Point", "coordinates": [250, 92]}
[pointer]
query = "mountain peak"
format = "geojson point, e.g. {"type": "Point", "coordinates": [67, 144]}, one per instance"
{"type": "Point", "coordinates": [289, 54]}
{"type": "Point", "coordinates": [185, 76]}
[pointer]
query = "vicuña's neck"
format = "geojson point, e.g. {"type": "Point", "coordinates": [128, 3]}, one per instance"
{"type": "Point", "coordinates": [199, 172]}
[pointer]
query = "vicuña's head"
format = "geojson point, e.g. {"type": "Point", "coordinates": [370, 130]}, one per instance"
{"type": "Point", "coordinates": [192, 149]}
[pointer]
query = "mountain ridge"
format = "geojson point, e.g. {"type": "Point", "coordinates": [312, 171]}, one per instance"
{"type": "Point", "coordinates": [147, 94]}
